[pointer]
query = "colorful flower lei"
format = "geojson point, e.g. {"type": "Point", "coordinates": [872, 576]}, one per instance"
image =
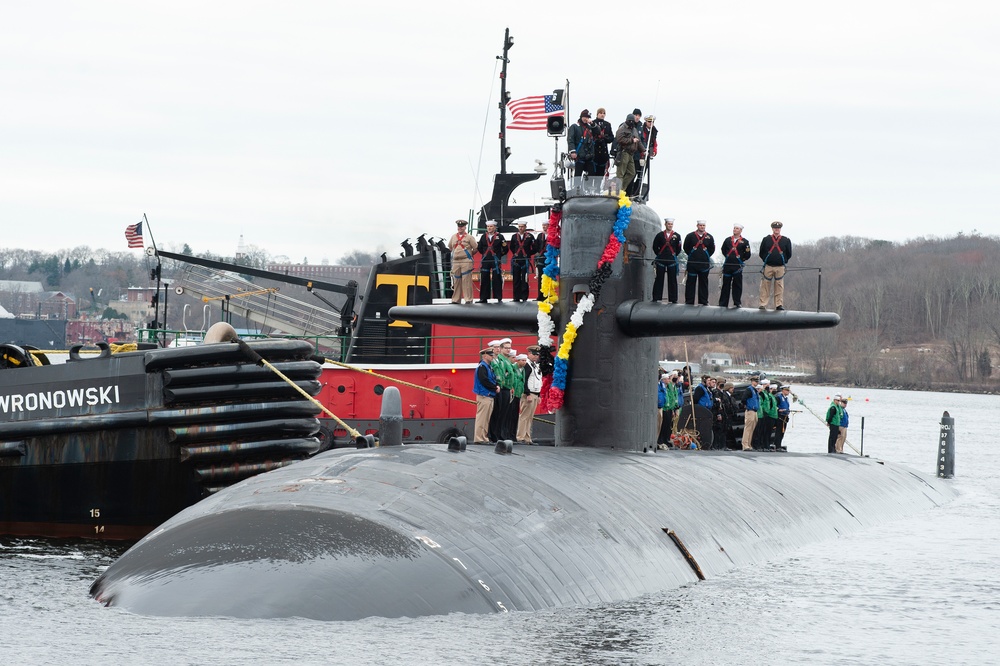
{"type": "Point", "coordinates": [554, 385]}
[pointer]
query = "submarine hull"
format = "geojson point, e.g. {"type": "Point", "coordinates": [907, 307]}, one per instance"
{"type": "Point", "coordinates": [420, 530]}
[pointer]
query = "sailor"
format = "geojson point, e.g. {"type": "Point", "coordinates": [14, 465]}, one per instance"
{"type": "Point", "coordinates": [581, 140]}
{"type": "Point", "coordinates": [729, 415]}
{"type": "Point", "coordinates": [627, 142]}
{"type": "Point", "coordinates": [492, 248]}
{"type": "Point", "coordinates": [699, 246]}
{"type": "Point", "coordinates": [844, 422]}
{"type": "Point", "coordinates": [666, 247]}
{"type": "Point", "coordinates": [499, 368]}
{"type": "Point", "coordinates": [485, 388]}
{"type": "Point", "coordinates": [462, 247]}
{"type": "Point", "coordinates": [529, 399]}
{"type": "Point", "coordinates": [834, 416]}
{"type": "Point", "coordinates": [521, 247]}
{"type": "Point", "coordinates": [784, 411]}
{"type": "Point", "coordinates": [718, 418]}
{"type": "Point", "coordinates": [767, 416]}
{"type": "Point", "coordinates": [775, 251]}
{"type": "Point", "coordinates": [516, 391]}
{"type": "Point", "coordinates": [604, 134]}
{"type": "Point", "coordinates": [751, 403]}
{"type": "Point", "coordinates": [503, 368]}
{"type": "Point", "coordinates": [735, 252]}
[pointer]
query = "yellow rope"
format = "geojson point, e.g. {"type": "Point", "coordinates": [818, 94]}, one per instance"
{"type": "Point", "coordinates": [115, 349]}
{"type": "Point", "coordinates": [414, 386]}
{"type": "Point", "coordinates": [354, 433]}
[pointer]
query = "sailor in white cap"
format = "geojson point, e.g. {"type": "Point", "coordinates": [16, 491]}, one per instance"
{"type": "Point", "coordinates": [735, 252]}
{"type": "Point", "coordinates": [699, 246]}
{"type": "Point", "coordinates": [666, 247]}
{"type": "Point", "coordinates": [501, 425]}
{"type": "Point", "coordinates": [492, 247]}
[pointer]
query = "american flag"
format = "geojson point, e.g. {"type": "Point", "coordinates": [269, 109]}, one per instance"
{"type": "Point", "coordinates": [529, 113]}
{"type": "Point", "coordinates": [133, 234]}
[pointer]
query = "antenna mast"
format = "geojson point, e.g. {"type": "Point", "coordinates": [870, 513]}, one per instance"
{"type": "Point", "coordinates": [508, 42]}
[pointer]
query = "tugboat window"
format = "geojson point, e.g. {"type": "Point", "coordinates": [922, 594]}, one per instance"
{"type": "Point", "coordinates": [379, 389]}
{"type": "Point", "coordinates": [341, 388]}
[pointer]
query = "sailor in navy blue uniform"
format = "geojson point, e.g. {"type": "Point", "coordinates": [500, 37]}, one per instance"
{"type": "Point", "coordinates": [492, 248]}
{"type": "Point", "coordinates": [666, 247]}
{"type": "Point", "coordinates": [521, 246]}
{"type": "Point", "coordinates": [699, 247]}
{"type": "Point", "coordinates": [736, 251]}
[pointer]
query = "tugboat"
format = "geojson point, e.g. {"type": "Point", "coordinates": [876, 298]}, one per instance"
{"type": "Point", "coordinates": [107, 447]}
{"type": "Point", "coordinates": [601, 517]}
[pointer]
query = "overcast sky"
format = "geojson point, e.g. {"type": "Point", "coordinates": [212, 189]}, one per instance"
{"type": "Point", "coordinates": [317, 128]}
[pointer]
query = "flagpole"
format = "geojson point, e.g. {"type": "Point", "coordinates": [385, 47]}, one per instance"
{"type": "Point", "coordinates": [150, 230]}
{"type": "Point", "coordinates": [156, 298]}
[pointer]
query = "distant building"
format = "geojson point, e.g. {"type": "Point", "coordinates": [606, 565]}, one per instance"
{"type": "Point", "coordinates": [326, 272]}
{"type": "Point", "coordinates": [56, 305]}
{"type": "Point", "coordinates": [720, 359]}
{"type": "Point", "coordinates": [29, 300]}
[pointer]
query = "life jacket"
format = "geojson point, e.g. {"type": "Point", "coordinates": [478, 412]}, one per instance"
{"type": "Point", "coordinates": [671, 401]}
{"type": "Point", "coordinates": [776, 245]}
{"type": "Point", "coordinates": [706, 397]}
{"type": "Point", "coordinates": [491, 254]}
{"type": "Point", "coordinates": [734, 251]}
{"type": "Point", "coordinates": [700, 245]}
{"type": "Point", "coordinates": [667, 246]}
{"type": "Point", "coordinates": [461, 237]}
{"type": "Point", "coordinates": [477, 386]}
{"type": "Point", "coordinates": [520, 253]}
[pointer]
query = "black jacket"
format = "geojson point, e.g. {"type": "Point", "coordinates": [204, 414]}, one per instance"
{"type": "Point", "coordinates": [492, 253]}
{"type": "Point", "coordinates": [699, 252]}
{"type": "Point", "coordinates": [521, 251]}
{"type": "Point", "coordinates": [775, 254]}
{"type": "Point", "coordinates": [666, 251]}
{"type": "Point", "coordinates": [736, 255]}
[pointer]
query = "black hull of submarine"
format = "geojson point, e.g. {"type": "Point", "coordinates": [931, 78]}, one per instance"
{"type": "Point", "coordinates": [420, 530]}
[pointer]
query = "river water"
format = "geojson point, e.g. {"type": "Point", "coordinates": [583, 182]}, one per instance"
{"type": "Point", "coordinates": [923, 590]}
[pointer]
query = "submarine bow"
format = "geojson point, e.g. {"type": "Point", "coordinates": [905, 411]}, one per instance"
{"type": "Point", "coordinates": [420, 530]}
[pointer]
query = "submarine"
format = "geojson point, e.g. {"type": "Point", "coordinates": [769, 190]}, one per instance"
{"type": "Point", "coordinates": [601, 517]}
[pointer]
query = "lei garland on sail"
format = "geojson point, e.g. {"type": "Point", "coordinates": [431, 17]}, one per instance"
{"type": "Point", "coordinates": [554, 385]}
{"type": "Point", "coordinates": [550, 292]}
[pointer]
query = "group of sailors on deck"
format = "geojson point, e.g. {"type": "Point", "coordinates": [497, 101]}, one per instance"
{"type": "Point", "coordinates": [527, 254]}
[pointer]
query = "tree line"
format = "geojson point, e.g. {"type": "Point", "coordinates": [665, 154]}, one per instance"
{"type": "Point", "coordinates": [919, 313]}
{"type": "Point", "coordinates": [916, 314]}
